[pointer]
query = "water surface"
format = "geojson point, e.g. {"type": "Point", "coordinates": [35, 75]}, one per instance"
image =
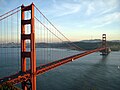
{"type": "Point", "coordinates": [92, 72]}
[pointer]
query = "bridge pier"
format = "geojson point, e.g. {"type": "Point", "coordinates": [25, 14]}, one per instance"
{"type": "Point", "coordinates": [28, 54]}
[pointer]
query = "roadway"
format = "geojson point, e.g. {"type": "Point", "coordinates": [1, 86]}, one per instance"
{"type": "Point", "coordinates": [24, 76]}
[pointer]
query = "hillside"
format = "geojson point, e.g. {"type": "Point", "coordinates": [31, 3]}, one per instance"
{"type": "Point", "coordinates": [115, 46]}
{"type": "Point", "coordinates": [86, 45]}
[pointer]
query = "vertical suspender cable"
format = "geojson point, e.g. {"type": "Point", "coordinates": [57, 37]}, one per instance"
{"type": "Point", "coordinates": [40, 43]}
{"type": "Point", "coordinates": [18, 40]}
{"type": "Point", "coordinates": [41, 58]}
{"type": "Point", "coordinates": [45, 44]}
{"type": "Point", "coordinates": [6, 38]}
{"type": "Point", "coordinates": [11, 36]}
{"type": "Point", "coordinates": [0, 39]}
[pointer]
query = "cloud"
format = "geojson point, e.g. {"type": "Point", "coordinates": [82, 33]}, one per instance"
{"type": "Point", "coordinates": [107, 10]}
{"type": "Point", "coordinates": [94, 14]}
{"type": "Point", "coordinates": [90, 9]}
{"type": "Point", "coordinates": [69, 9]}
{"type": "Point", "coordinates": [108, 7]}
{"type": "Point", "coordinates": [66, 8]}
{"type": "Point", "coordinates": [107, 19]}
{"type": "Point", "coordinates": [99, 7]}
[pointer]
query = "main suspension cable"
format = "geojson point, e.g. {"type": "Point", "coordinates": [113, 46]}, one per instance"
{"type": "Point", "coordinates": [10, 11]}
{"type": "Point", "coordinates": [57, 29]}
{"type": "Point", "coordinates": [9, 15]}
{"type": "Point", "coordinates": [51, 31]}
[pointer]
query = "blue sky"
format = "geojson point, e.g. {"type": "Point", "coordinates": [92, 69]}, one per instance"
{"type": "Point", "coordinates": [77, 19]}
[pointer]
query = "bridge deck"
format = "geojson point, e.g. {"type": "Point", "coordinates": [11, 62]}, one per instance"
{"type": "Point", "coordinates": [20, 76]}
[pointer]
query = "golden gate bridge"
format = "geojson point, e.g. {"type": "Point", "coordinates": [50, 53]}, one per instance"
{"type": "Point", "coordinates": [27, 28]}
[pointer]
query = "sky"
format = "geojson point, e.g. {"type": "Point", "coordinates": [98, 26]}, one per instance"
{"type": "Point", "coordinates": [77, 19]}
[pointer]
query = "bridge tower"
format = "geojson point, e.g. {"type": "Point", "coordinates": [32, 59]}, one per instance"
{"type": "Point", "coordinates": [31, 54]}
{"type": "Point", "coordinates": [104, 45]}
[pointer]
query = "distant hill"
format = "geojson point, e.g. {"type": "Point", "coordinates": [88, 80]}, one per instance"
{"type": "Point", "coordinates": [84, 44]}
{"type": "Point", "coordinates": [92, 44]}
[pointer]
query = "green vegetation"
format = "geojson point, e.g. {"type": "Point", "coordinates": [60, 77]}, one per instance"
{"type": "Point", "coordinates": [8, 86]}
{"type": "Point", "coordinates": [85, 44]}
{"type": "Point", "coordinates": [115, 46]}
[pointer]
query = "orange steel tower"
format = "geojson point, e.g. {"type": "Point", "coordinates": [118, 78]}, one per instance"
{"type": "Point", "coordinates": [104, 44]}
{"type": "Point", "coordinates": [103, 40]}
{"type": "Point", "coordinates": [31, 54]}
